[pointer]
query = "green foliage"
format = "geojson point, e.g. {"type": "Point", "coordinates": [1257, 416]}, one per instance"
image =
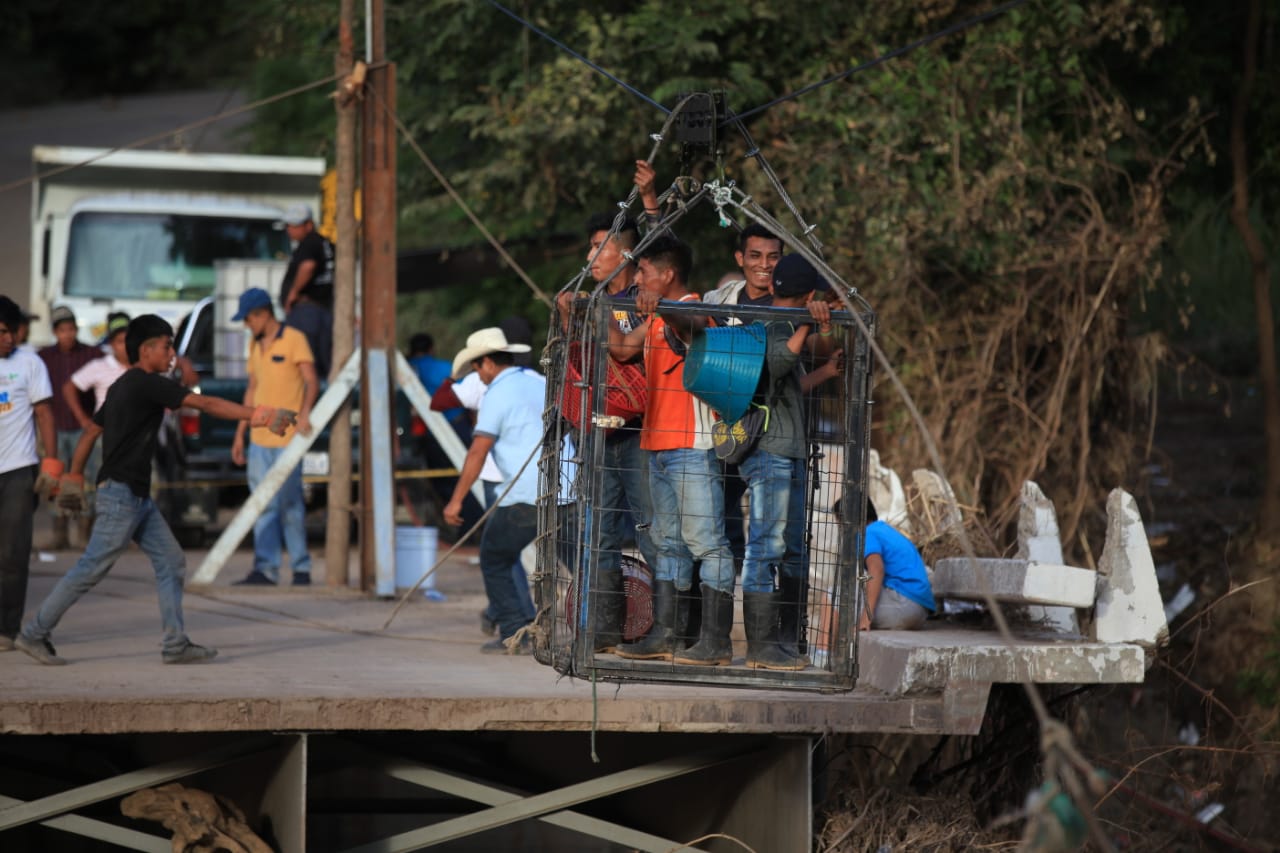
{"type": "Point", "coordinates": [1262, 684]}
{"type": "Point", "coordinates": [992, 194]}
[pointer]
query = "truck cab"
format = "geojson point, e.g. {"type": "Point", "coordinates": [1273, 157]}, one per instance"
{"type": "Point", "coordinates": [140, 231]}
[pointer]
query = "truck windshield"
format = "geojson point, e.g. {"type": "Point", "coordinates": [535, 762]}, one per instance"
{"type": "Point", "coordinates": [161, 256]}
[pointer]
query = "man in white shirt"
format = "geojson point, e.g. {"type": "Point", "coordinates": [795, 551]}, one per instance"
{"type": "Point", "coordinates": [25, 409]}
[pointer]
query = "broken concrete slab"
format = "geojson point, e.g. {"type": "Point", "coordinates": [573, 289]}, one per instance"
{"type": "Point", "coordinates": [938, 507]}
{"type": "Point", "coordinates": [1129, 609]}
{"type": "Point", "coordinates": [1039, 540]}
{"type": "Point", "coordinates": [1014, 581]}
{"type": "Point", "coordinates": [900, 663]}
{"type": "Point", "coordinates": [884, 487]}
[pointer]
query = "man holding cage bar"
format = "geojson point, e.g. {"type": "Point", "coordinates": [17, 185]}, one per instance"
{"type": "Point", "coordinates": [684, 476]}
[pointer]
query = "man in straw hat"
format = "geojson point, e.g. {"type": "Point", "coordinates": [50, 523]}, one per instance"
{"type": "Point", "coordinates": [509, 426]}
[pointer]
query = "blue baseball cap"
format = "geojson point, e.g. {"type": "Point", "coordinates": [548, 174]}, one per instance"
{"type": "Point", "coordinates": [254, 297]}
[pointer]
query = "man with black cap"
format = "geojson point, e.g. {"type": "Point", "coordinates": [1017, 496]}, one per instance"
{"type": "Point", "coordinates": [510, 426]}
{"type": "Point", "coordinates": [129, 421]}
{"type": "Point", "coordinates": [25, 411]}
{"type": "Point", "coordinates": [281, 373]}
{"type": "Point", "coordinates": [307, 291]}
{"type": "Point", "coordinates": [62, 359]}
{"type": "Point", "coordinates": [774, 571]}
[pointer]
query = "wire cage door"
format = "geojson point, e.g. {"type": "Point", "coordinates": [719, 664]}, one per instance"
{"type": "Point", "coordinates": [620, 522]}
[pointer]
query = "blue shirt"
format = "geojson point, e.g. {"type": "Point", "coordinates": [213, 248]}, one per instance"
{"type": "Point", "coordinates": [432, 372]}
{"type": "Point", "coordinates": [511, 414]}
{"type": "Point", "coordinates": [904, 571]}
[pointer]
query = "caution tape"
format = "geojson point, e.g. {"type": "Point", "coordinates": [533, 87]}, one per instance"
{"type": "Point", "coordinates": [416, 474]}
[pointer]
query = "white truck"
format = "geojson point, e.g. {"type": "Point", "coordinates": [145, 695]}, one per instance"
{"type": "Point", "coordinates": [139, 231]}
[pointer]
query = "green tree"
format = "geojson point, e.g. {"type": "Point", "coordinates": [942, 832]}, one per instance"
{"type": "Point", "coordinates": [992, 194]}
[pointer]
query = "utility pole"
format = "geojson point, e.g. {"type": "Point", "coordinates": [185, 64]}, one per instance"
{"type": "Point", "coordinates": [378, 316]}
{"type": "Point", "coordinates": [337, 543]}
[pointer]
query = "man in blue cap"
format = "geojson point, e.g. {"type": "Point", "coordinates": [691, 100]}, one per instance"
{"type": "Point", "coordinates": [282, 373]}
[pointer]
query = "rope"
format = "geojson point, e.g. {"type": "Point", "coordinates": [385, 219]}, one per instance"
{"type": "Point", "coordinates": [756, 154]}
{"type": "Point", "coordinates": [464, 537]}
{"type": "Point", "coordinates": [138, 143]}
{"type": "Point", "coordinates": [453, 194]}
{"type": "Point", "coordinates": [884, 57]}
{"type": "Point", "coordinates": [632, 89]}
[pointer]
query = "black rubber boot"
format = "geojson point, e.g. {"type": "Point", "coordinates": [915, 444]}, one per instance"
{"type": "Point", "coordinates": [793, 606]}
{"type": "Point", "coordinates": [689, 618]}
{"type": "Point", "coordinates": [760, 618]}
{"type": "Point", "coordinates": [659, 643]}
{"type": "Point", "coordinates": [714, 647]}
{"type": "Point", "coordinates": [608, 608]}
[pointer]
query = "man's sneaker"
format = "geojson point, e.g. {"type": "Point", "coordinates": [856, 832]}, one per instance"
{"type": "Point", "coordinates": [41, 651]}
{"type": "Point", "coordinates": [6, 644]}
{"type": "Point", "coordinates": [255, 578]}
{"type": "Point", "coordinates": [303, 579]}
{"type": "Point", "coordinates": [487, 626]}
{"type": "Point", "coordinates": [190, 653]}
{"type": "Point", "coordinates": [498, 646]}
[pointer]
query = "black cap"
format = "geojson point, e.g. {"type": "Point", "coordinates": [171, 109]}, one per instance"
{"type": "Point", "coordinates": [794, 276]}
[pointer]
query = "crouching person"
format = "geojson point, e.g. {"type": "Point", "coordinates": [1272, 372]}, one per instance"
{"type": "Point", "coordinates": [899, 595]}
{"type": "Point", "coordinates": [129, 421]}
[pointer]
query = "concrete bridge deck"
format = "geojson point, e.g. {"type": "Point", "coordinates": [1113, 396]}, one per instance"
{"type": "Point", "coordinates": [316, 660]}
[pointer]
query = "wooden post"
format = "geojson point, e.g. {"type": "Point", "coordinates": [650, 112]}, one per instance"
{"type": "Point", "coordinates": [378, 314]}
{"type": "Point", "coordinates": [337, 541]}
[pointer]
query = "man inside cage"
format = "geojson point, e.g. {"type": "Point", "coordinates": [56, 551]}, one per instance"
{"type": "Point", "coordinates": [623, 506]}
{"type": "Point", "coordinates": [774, 471]}
{"type": "Point", "coordinates": [510, 426]}
{"type": "Point", "coordinates": [684, 475]}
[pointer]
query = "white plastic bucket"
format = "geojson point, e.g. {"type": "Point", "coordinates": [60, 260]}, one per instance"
{"type": "Point", "coordinates": [415, 554]}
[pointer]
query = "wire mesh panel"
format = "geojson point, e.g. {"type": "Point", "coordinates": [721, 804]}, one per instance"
{"type": "Point", "coordinates": [703, 496]}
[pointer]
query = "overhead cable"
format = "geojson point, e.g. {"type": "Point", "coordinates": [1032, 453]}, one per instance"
{"type": "Point", "coordinates": [526, 24]}
{"type": "Point", "coordinates": [885, 57]}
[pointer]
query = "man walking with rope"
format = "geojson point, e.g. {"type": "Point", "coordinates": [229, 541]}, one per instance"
{"type": "Point", "coordinates": [510, 426]}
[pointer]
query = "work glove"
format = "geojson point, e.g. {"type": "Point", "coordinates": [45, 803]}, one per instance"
{"type": "Point", "coordinates": [71, 493]}
{"type": "Point", "coordinates": [276, 420]}
{"type": "Point", "coordinates": [46, 485]}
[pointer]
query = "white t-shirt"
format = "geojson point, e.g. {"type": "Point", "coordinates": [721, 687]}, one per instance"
{"type": "Point", "coordinates": [99, 375]}
{"type": "Point", "coordinates": [24, 381]}
{"type": "Point", "coordinates": [470, 391]}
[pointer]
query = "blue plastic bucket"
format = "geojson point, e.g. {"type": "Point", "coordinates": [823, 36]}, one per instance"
{"type": "Point", "coordinates": [415, 554]}
{"type": "Point", "coordinates": [723, 366]}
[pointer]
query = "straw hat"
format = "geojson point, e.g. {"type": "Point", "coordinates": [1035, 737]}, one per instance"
{"type": "Point", "coordinates": [480, 344]}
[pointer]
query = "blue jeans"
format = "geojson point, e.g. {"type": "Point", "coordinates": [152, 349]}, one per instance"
{"type": "Point", "coordinates": [518, 576]}
{"type": "Point", "coordinates": [624, 501]}
{"type": "Point", "coordinates": [283, 520]}
{"type": "Point", "coordinates": [688, 518]}
{"type": "Point", "coordinates": [123, 517]}
{"type": "Point", "coordinates": [775, 520]}
{"type": "Point", "coordinates": [17, 511]}
{"type": "Point", "coordinates": [507, 532]}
